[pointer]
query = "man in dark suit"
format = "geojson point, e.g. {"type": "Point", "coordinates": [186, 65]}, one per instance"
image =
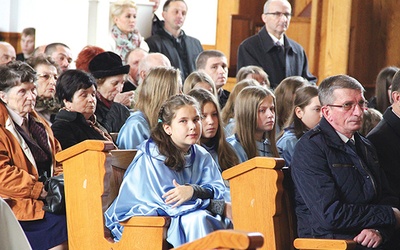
{"type": "Point", "coordinates": [386, 137]}
{"type": "Point", "coordinates": [272, 50]}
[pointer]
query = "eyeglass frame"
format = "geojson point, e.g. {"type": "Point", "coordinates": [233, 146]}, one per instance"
{"type": "Point", "coordinates": [279, 14]}
{"type": "Point", "coordinates": [47, 76]}
{"type": "Point", "coordinates": [350, 105]}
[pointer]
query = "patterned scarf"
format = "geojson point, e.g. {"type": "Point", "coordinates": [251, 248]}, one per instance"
{"type": "Point", "coordinates": [100, 129]}
{"type": "Point", "coordinates": [125, 43]}
{"type": "Point", "coordinates": [49, 104]}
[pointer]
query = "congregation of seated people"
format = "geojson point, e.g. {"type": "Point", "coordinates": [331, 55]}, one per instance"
{"type": "Point", "coordinates": [174, 107]}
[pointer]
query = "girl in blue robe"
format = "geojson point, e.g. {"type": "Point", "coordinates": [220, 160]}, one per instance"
{"type": "Point", "coordinates": [213, 137]}
{"type": "Point", "coordinates": [228, 112]}
{"type": "Point", "coordinates": [172, 176]}
{"type": "Point", "coordinates": [306, 114]}
{"type": "Point", "coordinates": [254, 124]}
{"type": "Point", "coordinates": [157, 87]}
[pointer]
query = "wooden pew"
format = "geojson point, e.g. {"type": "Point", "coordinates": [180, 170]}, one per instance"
{"type": "Point", "coordinates": [260, 203]}
{"type": "Point", "coordinates": [88, 190]}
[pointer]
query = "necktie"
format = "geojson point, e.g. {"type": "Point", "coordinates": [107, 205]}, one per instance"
{"type": "Point", "coordinates": [352, 145]}
{"type": "Point", "coordinates": [281, 53]}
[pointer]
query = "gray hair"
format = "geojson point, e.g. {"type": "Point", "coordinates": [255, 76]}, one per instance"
{"type": "Point", "coordinates": [328, 85]}
{"type": "Point", "coordinates": [268, 2]}
{"type": "Point", "coordinates": [14, 74]}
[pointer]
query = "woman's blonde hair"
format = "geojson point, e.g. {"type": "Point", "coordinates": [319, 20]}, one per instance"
{"type": "Point", "coordinates": [157, 87]}
{"type": "Point", "coordinates": [118, 7]}
{"type": "Point", "coordinates": [251, 70]}
{"type": "Point", "coordinates": [196, 77]}
{"type": "Point", "coordinates": [246, 115]}
{"type": "Point", "coordinates": [228, 111]}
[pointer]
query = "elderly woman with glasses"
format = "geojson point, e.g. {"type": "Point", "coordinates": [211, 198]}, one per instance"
{"type": "Point", "coordinates": [27, 150]}
{"type": "Point", "coordinates": [47, 72]}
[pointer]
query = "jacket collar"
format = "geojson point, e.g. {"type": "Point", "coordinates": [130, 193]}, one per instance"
{"type": "Point", "coordinates": [164, 32]}
{"type": "Point", "coordinates": [268, 43]}
{"type": "Point", "coordinates": [333, 139]}
{"type": "Point", "coordinates": [69, 116]}
{"type": "Point", "coordinates": [392, 120]}
{"type": "Point", "coordinates": [8, 123]}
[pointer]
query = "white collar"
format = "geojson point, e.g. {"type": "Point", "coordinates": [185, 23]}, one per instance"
{"type": "Point", "coordinates": [344, 138]}
{"type": "Point", "coordinates": [15, 117]}
{"type": "Point", "coordinates": [275, 39]}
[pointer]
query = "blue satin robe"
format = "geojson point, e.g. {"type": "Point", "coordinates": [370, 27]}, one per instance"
{"type": "Point", "coordinates": [263, 148]}
{"type": "Point", "coordinates": [229, 127]}
{"type": "Point", "coordinates": [147, 179]}
{"type": "Point", "coordinates": [135, 131]}
{"type": "Point", "coordinates": [214, 155]}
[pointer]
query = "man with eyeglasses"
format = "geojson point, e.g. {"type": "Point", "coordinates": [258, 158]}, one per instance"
{"type": "Point", "coordinates": [340, 190]}
{"type": "Point", "coordinates": [272, 50]}
{"type": "Point", "coordinates": [386, 138]}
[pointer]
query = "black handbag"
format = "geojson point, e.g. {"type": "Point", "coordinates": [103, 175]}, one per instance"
{"type": "Point", "coordinates": [55, 199]}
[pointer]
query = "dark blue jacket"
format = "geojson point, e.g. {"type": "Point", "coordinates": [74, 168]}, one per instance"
{"type": "Point", "coordinates": [338, 193]}
{"type": "Point", "coordinates": [386, 139]}
{"type": "Point", "coordinates": [260, 50]}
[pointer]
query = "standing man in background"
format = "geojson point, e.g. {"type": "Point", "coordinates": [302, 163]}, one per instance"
{"type": "Point", "coordinates": [181, 50]}
{"type": "Point", "coordinates": [27, 44]}
{"type": "Point", "coordinates": [272, 50]}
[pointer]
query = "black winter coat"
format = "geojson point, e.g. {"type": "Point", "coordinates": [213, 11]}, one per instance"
{"type": "Point", "coordinates": [71, 128]}
{"type": "Point", "coordinates": [260, 50]}
{"type": "Point", "coordinates": [111, 118]}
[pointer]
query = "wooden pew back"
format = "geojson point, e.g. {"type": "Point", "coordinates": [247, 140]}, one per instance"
{"type": "Point", "coordinates": [87, 173]}
{"type": "Point", "coordinates": [90, 188]}
{"type": "Point", "coordinates": [260, 203]}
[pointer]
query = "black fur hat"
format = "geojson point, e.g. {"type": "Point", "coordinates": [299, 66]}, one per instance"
{"type": "Point", "coordinates": [107, 64]}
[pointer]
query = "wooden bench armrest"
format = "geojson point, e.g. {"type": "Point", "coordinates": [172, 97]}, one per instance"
{"type": "Point", "coordinates": [226, 239]}
{"type": "Point", "coordinates": [326, 244]}
{"type": "Point", "coordinates": [147, 221]}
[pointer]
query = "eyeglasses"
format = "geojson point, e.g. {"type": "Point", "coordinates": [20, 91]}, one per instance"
{"type": "Point", "coordinates": [47, 76]}
{"type": "Point", "coordinates": [350, 105]}
{"type": "Point", "coordinates": [279, 14]}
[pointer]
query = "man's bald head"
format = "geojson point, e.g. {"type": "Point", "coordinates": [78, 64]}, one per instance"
{"type": "Point", "coordinates": [7, 53]}
{"type": "Point", "coordinates": [152, 61]}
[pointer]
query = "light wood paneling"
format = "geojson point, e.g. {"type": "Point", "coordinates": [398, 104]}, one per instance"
{"type": "Point", "coordinates": [226, 8]}
{"type": "Point", "coordinates": [374, 42]}
{"type": "Point", "coordinates": [330, 35]}
{"type": "Point", "coordinates": [13, 38]}
{"type": "Point", "coordinates": [299, 30]}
